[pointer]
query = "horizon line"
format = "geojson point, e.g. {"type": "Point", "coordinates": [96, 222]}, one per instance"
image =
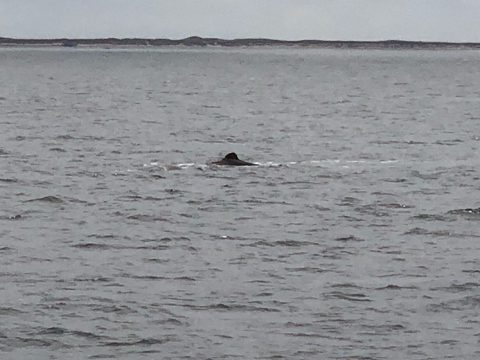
{"type": "Point", "coordinates": [200, 38]}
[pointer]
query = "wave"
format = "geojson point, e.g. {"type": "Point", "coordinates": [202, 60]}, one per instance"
{"type": "Point", "coordinates": [466, 211]}
{"type": "Point", "coordinates": [307, 163]}
{"type": "Point", "coordinates": [48, 199]}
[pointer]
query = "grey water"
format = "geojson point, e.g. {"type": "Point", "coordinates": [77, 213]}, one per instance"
{"type": "Point", "coordinates": [357, 235]}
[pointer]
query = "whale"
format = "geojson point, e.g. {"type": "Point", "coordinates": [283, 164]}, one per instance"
{"type": "Point", "coordinates": [231, 159]}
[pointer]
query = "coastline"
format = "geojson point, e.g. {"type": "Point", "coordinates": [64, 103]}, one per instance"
{"type": "Point", "coordinates": [196, 41]}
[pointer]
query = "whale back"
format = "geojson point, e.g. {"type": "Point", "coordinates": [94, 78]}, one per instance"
{"type": "Point", "coordinates": [232, 160]}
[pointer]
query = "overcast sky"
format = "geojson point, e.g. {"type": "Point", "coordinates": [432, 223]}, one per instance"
{"type": "Point", "coordinates": [428, 20]}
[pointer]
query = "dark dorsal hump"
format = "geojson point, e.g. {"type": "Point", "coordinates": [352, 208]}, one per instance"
{"type": "Point", "coordinates": [231, 156]}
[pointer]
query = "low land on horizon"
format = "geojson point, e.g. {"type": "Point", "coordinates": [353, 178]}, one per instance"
{"type": "Point", "coordinates": [199, 41]}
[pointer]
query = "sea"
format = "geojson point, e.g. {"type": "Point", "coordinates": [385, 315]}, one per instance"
{"type": "Point", "coordinates": [356, 236]}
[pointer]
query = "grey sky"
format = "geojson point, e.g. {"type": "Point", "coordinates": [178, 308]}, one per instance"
{"type": "Point", "coordinates": [428, 20]}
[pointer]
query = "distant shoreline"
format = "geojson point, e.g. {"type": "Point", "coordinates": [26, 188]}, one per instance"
{"type": "Point", "coordinates": [196, 41]}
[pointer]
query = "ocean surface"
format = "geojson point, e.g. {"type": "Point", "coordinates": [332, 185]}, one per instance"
{"type": "Point", "coordinates": [357, 236]}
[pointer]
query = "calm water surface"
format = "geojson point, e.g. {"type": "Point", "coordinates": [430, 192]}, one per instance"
{"type": "Point", "coordinates": [356, 237]}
